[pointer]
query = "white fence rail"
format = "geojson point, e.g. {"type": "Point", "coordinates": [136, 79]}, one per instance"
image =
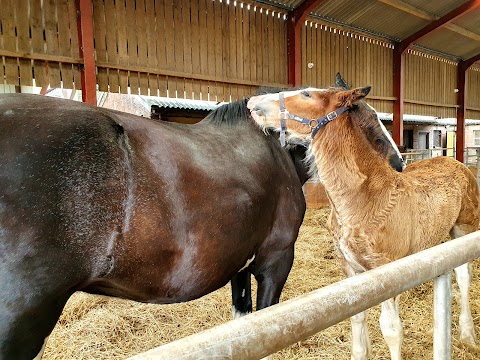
{"type": "Point", "coordinates": [267, 331]}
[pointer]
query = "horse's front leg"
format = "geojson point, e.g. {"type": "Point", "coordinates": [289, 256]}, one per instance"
{"type": "Point", "coordinates": [241, 294]}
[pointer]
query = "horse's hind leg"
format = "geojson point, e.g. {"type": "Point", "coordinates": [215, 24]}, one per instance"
{"type": "Point", "coordinates": [241, 294]}
{"type": "Point", "coordinates": [463, 276]}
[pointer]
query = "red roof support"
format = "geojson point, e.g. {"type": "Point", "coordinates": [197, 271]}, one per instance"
{"type": "Point", "coordinates": [398, 92]}
{"type": "Point", "coordinates": [462, 68]}
{"type": "Point", "coordinates": [85, 41]}
{"type": "Point", "coordinates": [399, 64]}
{"type": "Point", "coordinates": [295, 20]}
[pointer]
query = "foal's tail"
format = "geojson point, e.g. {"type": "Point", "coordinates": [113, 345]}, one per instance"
{"type": "Point", "coordinates": [468, 218]}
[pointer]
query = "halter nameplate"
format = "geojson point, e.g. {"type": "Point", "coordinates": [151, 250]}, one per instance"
{"type": "Point", "coordinates": [315, 124]}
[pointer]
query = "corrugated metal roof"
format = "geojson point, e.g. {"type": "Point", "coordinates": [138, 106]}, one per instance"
{"type": "Point", "coordinates": [426, 120]}
{"type": "Point", "coordinates": [437, 8]}
{"type": "Point", "coordinates": [398, 19]}
{"type": "Point", "coordinates": [174, 103]}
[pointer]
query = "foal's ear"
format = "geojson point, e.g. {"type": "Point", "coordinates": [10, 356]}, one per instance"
{"type": "Point", "coordinates": [351, 97]}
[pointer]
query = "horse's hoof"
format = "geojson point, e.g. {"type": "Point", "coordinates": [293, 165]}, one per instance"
{"type": "Point", "coordinates": [468, 338]}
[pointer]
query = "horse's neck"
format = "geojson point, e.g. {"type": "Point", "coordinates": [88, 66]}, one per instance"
{"type": "Point", "coordinates": [355, 177]}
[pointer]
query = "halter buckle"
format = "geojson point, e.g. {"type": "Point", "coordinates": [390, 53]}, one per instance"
{"type": "Point", "coordinates": [332, 115]}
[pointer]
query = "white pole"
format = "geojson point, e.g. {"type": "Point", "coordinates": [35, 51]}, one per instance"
{"type": "Point", "coordinates": [442, 317]}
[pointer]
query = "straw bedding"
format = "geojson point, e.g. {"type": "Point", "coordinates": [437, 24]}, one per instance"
{"type": "Point", "coordinates": [96, 327]}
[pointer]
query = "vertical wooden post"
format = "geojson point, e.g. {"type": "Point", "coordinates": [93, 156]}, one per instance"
{"type": "Point", "coordinates": [398, 92]}
{"type": "Point", "coordinates": [85, 41]}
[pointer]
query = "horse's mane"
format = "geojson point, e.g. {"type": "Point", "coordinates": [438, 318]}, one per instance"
{"type": "Point", "coordinates": [230, 114]}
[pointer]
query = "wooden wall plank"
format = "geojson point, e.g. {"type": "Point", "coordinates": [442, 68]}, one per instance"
{"type": "Point", "coordinates": [64, 42]}
{"type": "Point", "coordinates": [23, 41]}
{"type": "Point", "coordinates": [160, 36]}
{"type": "Point", "coordinates": [205, 49]}
{"type": "Point", "coordinates": [112, 24]}
{"type": "Point", "coordinates": [75, 51]}
{"type": "Point", "coordinates": [259, 43]}
{"type": "Point", "coordinates": [37, 43]}
{"type": "Point", "coordinates": [253, 46]}
{"type": "Point", "coordinates": [151, 34]}
{"type": "Point", "coordinates": [99, 28]}
{"type": "Point", "coordinates": [132, 51]}
{"type": "Point", "coordinates": [9, 41]}
{"type": "Point", "coordinates": [51, 31]}
{"type": "Point", "coordinates": [187, 47]}
{"type": "Point", "coordinates": [141, 31]}
{"type": "Point", "coordinates": [195, 46]}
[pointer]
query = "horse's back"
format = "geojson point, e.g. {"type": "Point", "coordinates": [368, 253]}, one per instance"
{"type": "Point", "coordinates": [453, 192]}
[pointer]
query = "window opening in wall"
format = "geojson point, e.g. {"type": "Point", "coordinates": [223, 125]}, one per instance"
{"type": "Point", "coordinates": [476, 137]}
{"type": "Point", "coordinates": [437, 139]}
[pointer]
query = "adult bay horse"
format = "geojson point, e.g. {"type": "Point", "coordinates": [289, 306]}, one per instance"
{"type": "Point", "coordinates": [381, 215]}
{"type": "Point", "coordinates": [110, 203]}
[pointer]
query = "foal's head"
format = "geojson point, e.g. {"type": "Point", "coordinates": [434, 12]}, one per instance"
{"type": "Point", "coordinates": [305, 110]}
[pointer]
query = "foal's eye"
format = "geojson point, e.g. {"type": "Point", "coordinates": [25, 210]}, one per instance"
{"type": "Point", "coordinates": [306, 94]}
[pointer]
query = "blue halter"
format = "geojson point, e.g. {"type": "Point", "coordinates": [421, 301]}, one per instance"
{"type": "Point", "coordinates": [314, 125]}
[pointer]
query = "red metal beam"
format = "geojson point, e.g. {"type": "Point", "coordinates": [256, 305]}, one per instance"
{"type": "Point", "coordinates": [85, 41]}
{"type": "Point", "coordinates": [461, 102]}
{"type": "Point", "coordinates": [398, 92]}
{"type": "Point", "coordinates": [295, 20]}
{"type": "Point", "coordinates": [462, 68]}
{"type": "Point", "coordinates": [471, 61]}
{"type": "Point", "coordinates": [434, 25]}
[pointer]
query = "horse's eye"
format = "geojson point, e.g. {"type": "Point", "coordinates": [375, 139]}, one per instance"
{"type": "Point", "coordinates": [306, 94]}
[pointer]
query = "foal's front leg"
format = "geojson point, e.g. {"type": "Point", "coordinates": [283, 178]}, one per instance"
{"type": "Point", "coordinates": [361, 347]}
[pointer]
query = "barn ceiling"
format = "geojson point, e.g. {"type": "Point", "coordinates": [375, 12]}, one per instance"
{"type": "Point", "coordinates": [396, 20]}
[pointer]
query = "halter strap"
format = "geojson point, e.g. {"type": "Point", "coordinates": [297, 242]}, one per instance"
{"type": "Point", "coordinates": [314, 125]}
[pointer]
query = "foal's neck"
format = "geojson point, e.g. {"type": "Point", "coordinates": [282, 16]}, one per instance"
{"type": "Point", "coordinates": [353, 173]}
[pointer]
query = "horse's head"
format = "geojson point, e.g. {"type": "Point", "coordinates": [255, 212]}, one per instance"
{"type": "Point", "coordinates": [305, 111]}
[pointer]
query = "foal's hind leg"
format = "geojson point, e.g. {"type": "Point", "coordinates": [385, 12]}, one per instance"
{"type": "Point", "coordinates": [391, 326]}
{"type": "Point", "coordinates": [241, 294]}
{"type": "Point", "coordinates": [467, 330]}
{"type": "Point", "coordinates": [463, 276]}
